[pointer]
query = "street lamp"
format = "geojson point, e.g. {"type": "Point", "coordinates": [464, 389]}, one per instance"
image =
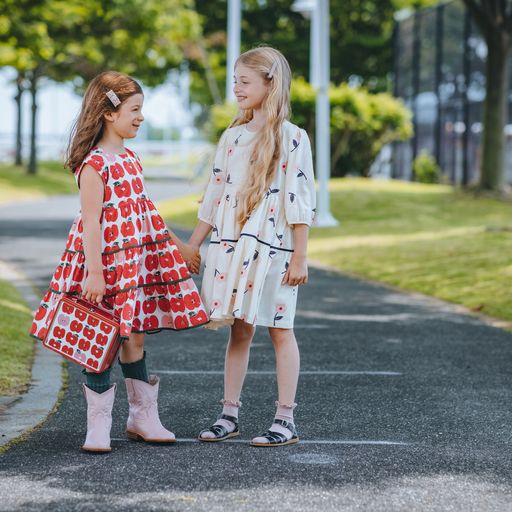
{"type": "Point", "coordinates": [319, 53]}
{"type": "Point", "coordinates": [234, 20]}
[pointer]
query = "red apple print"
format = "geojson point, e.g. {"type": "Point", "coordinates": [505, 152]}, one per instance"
{"type": "Point", "coordinates": [192, 300]}
{"type": "Point", "coordinates": [108, 259]}
{"type": "Point", "coordinates": [107, 194]}
{"type": "Point", "coordinates": [59, 333]}
{"type": "Point", "coordinates": [150, 322]}
{"type": "Point", "coordinates": [71, 338]}
{"type": "Point", "coordinates": [75, 326]}
{"type": "Point", "coordinates": [96, 161]}
{"type": "Point", "coordinates": [80, 226]}
{"type": "Point", "coordinates": [84, 344]}
{"type": "Point", "coordinates": [96, 351]}
{"type": "Point", "coordinates": [198, 319]}
{"type": "Point", "coordinates": [92, 363]}
{"type": "Point", "coordinates": [130, 242]}
{"type": "Point", "coordinates": [177, 304]}
{"type": "Point", "coordinates": [137, 310]}
{"type": "Point", "coordinates": [151, 262]}
{"type": "Point", "coordinates": [157, 222]}
{"type": "Point", "coordinates": [77, 245]}
{"type": "Point", "coordinates": [78, 273]}
{"type": "Point", "coordinates": [122, 189]}
{"type": "Point", "coordinates": [101, 339]}
{"type": "Point", "coordinates": [116, 171]}
{"type": "Point", "coordinates": [125, 209]}
{"type": "Point", "coordinates": [181, 322]}
{"type": "Point", "coordinates": [110, 276]}
{"type": "Point", "coordinates": [137, 186]}
{"type": "Point", "coordinates": [127, 313]}
{"type": "Point", "coordinates": [110, 233]}
{"type": "Point", "coordinates": [129, 270]}
{"type": "Point", "coordinates": [139, 224]}
{"type": "Point", "coordinates": [127, 229]}
{"type": "Point", "coordinates": [130, 168]}
{"type": "Point", "coordinates": [184, 273]}
{"type": "Point", "coordinates": [166, 259]}
{"type": "Point", "coordinates": [54, 343]}
{"type": "Point", "coordinates": [89, 333]}
{"type": "Point", "coordinates": [149, 306]}
{"type": "Point", "coordinates": [164, 305]}
{"type": "Point", "coordinates": [41, 312]}
{"type": "Point", "coordinates": [67, 350]}
{"type": "Point", "coordinates": [67, 270]}
{"type": "Point", "coordinates": [106, 328]}
{"type": "Point", "coordinates": [111, 214]}
{"type": "Point", "coordinates": [178, 257]}
{"type": "Point", "coordinates": [93, 321]}
{"type": "Point", "coordinates": [58, 271]}
{"type": "Point", "coordinates": [80, 315]}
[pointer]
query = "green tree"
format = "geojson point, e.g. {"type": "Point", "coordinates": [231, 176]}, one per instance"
{"type": "Point", "coordinates": [494, 20]}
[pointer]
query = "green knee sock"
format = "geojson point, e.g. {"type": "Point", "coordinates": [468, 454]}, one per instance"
{"type": "Point", "coordinates": [136, 370]}
{"type": "Point", "coordinates": [98, 382]}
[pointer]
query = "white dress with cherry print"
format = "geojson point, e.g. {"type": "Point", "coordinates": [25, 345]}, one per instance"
{"type": "Point", "coordinates": [245, 266]}
{"type": "Point", "coordinates": [147, 281]}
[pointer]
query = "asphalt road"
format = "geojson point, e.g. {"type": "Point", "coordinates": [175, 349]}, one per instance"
{"type": "Point", "coordinates": [404, 404]}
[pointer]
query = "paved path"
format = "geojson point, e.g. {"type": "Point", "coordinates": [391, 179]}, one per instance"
{"type": "Point", "coordinates": [403, 405]}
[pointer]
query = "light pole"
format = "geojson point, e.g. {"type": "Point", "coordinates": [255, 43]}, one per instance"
{"type": "Point", "coordinates": [234, 19]}
{"type": "Point", "coordinates": [320, 53]}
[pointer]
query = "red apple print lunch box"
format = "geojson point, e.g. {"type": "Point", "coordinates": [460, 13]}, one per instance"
{"type": "Point", "coordinates": [84, 333]}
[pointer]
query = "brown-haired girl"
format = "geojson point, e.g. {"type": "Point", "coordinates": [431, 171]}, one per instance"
{"type": "Point", "coordinates": [259, 204]}
{"type": "Point", "coordinates": [120, 251]}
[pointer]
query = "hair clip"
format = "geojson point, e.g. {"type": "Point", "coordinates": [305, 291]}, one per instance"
{"type": "Point", "coordinates": [112, 96]}
{"type": "Point", "coordinates": [270, 74]}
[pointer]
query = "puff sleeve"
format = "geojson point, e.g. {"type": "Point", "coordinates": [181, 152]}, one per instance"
{"type": "Point", "coordinates": [97, 162]}
{"type": "Point", "coordinates": [215, 189]}
{"type": "Point", "coordinates": [300, 193]}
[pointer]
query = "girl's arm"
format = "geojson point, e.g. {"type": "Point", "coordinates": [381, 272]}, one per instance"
{"type": "Point", "coordinates": [190, 254]}
{"type": "Point", "coordinates": [201, 231]}
{"type": "Point", "coordinates": [297, 272]}
{"type": "Point", "coordinates": [91, 203]}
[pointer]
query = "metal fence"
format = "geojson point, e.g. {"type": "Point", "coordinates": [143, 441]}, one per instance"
{"type": "Point", "coordinates": [439, 68]}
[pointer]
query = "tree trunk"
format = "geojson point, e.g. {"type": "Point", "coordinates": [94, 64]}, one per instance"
{"type": "Point", "coordinates": [32, 164]}
{"type": "Point", "coordinates": [495, 109]}
{"type": "Point", "coordinates": [19, 83]}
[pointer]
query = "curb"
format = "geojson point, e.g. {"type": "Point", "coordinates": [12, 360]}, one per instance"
{"type": "Point", "coordinates": [28, 410]}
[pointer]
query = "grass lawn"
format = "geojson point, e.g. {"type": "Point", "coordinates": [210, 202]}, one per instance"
{"type": "Point", "coordinates": [16, 346]}
{"type": "Point", "coordinates": [51, 179]}
{"type": "Point", "coordinates": [425, 238]}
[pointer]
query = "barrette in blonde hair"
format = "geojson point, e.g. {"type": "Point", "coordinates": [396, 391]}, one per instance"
{"type": "Point", "coordinates": [270, 74]}
{"type": "Point", "coordinates": [112, 96]}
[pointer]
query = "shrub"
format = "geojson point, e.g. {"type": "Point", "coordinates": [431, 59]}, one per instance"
{"type": "Point", "coordinates": [361, 123]}
{"type": "Point", "coordinates": [426, 169]}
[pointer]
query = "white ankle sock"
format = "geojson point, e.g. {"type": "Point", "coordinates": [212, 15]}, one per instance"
{"type": "Point", "coordinates": [229, 409]}
{"type": "Point", "coordinates": [284, 412]}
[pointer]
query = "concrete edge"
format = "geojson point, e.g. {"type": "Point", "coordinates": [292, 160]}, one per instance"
{"type": "Point", "coordinates": [34, 406]}
{"type": "Point", "coordinates": [434, 301]}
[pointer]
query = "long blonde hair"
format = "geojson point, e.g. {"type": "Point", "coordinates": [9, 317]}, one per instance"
{"type": "Point", "coordinates": [267, 144]}
{"type": "Point", "coordinates": [89, 126]}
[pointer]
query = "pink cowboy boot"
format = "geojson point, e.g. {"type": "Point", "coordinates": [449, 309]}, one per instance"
{"type": "Point", "coordinates": [99, 419]}
{"type": "Point", "coordinates": [143, 420]}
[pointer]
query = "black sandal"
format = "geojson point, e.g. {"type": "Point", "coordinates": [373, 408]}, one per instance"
{"type": "Point", "coordinates": [276, 438]}
{"type": "Point", "coordinates": [219, 431]}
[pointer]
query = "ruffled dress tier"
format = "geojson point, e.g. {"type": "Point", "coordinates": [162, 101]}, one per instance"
{"type": "Point", "coordinates": [245, 265]}
{"type": "Point", "coordinates": [148, 284]}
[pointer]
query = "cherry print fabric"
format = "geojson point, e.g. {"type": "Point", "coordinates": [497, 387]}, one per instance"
{"type": "Point", "coordinates": [147, 281]}
{"type": "Point", "coordinates": [245, 265]}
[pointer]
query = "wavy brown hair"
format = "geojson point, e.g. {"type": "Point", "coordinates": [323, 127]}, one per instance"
{"type": "Point", "coordinates": [89, 126]}
{"type": "Point", "coordinates": [268, 143]}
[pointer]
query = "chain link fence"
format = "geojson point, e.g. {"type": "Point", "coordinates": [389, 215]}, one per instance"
{"type": "Point", "coordinates": [439, 68]}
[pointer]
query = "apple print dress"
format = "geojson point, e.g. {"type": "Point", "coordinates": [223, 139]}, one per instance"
{"type": "Point", "coordinates": [147, 282]}
{"type": "Point", "coordinates": [245, 265]}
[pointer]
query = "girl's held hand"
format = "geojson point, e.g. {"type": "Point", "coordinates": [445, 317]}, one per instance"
{"type": "Point", "coordinates": [297, 272]}
{"type": "Point", "coordinates": [192, 257]}
{"type": "Point", "coordinates": [94, 288]}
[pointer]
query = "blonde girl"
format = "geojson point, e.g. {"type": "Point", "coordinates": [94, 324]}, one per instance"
{"type": "Point", "coordinates": [259, 205]}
